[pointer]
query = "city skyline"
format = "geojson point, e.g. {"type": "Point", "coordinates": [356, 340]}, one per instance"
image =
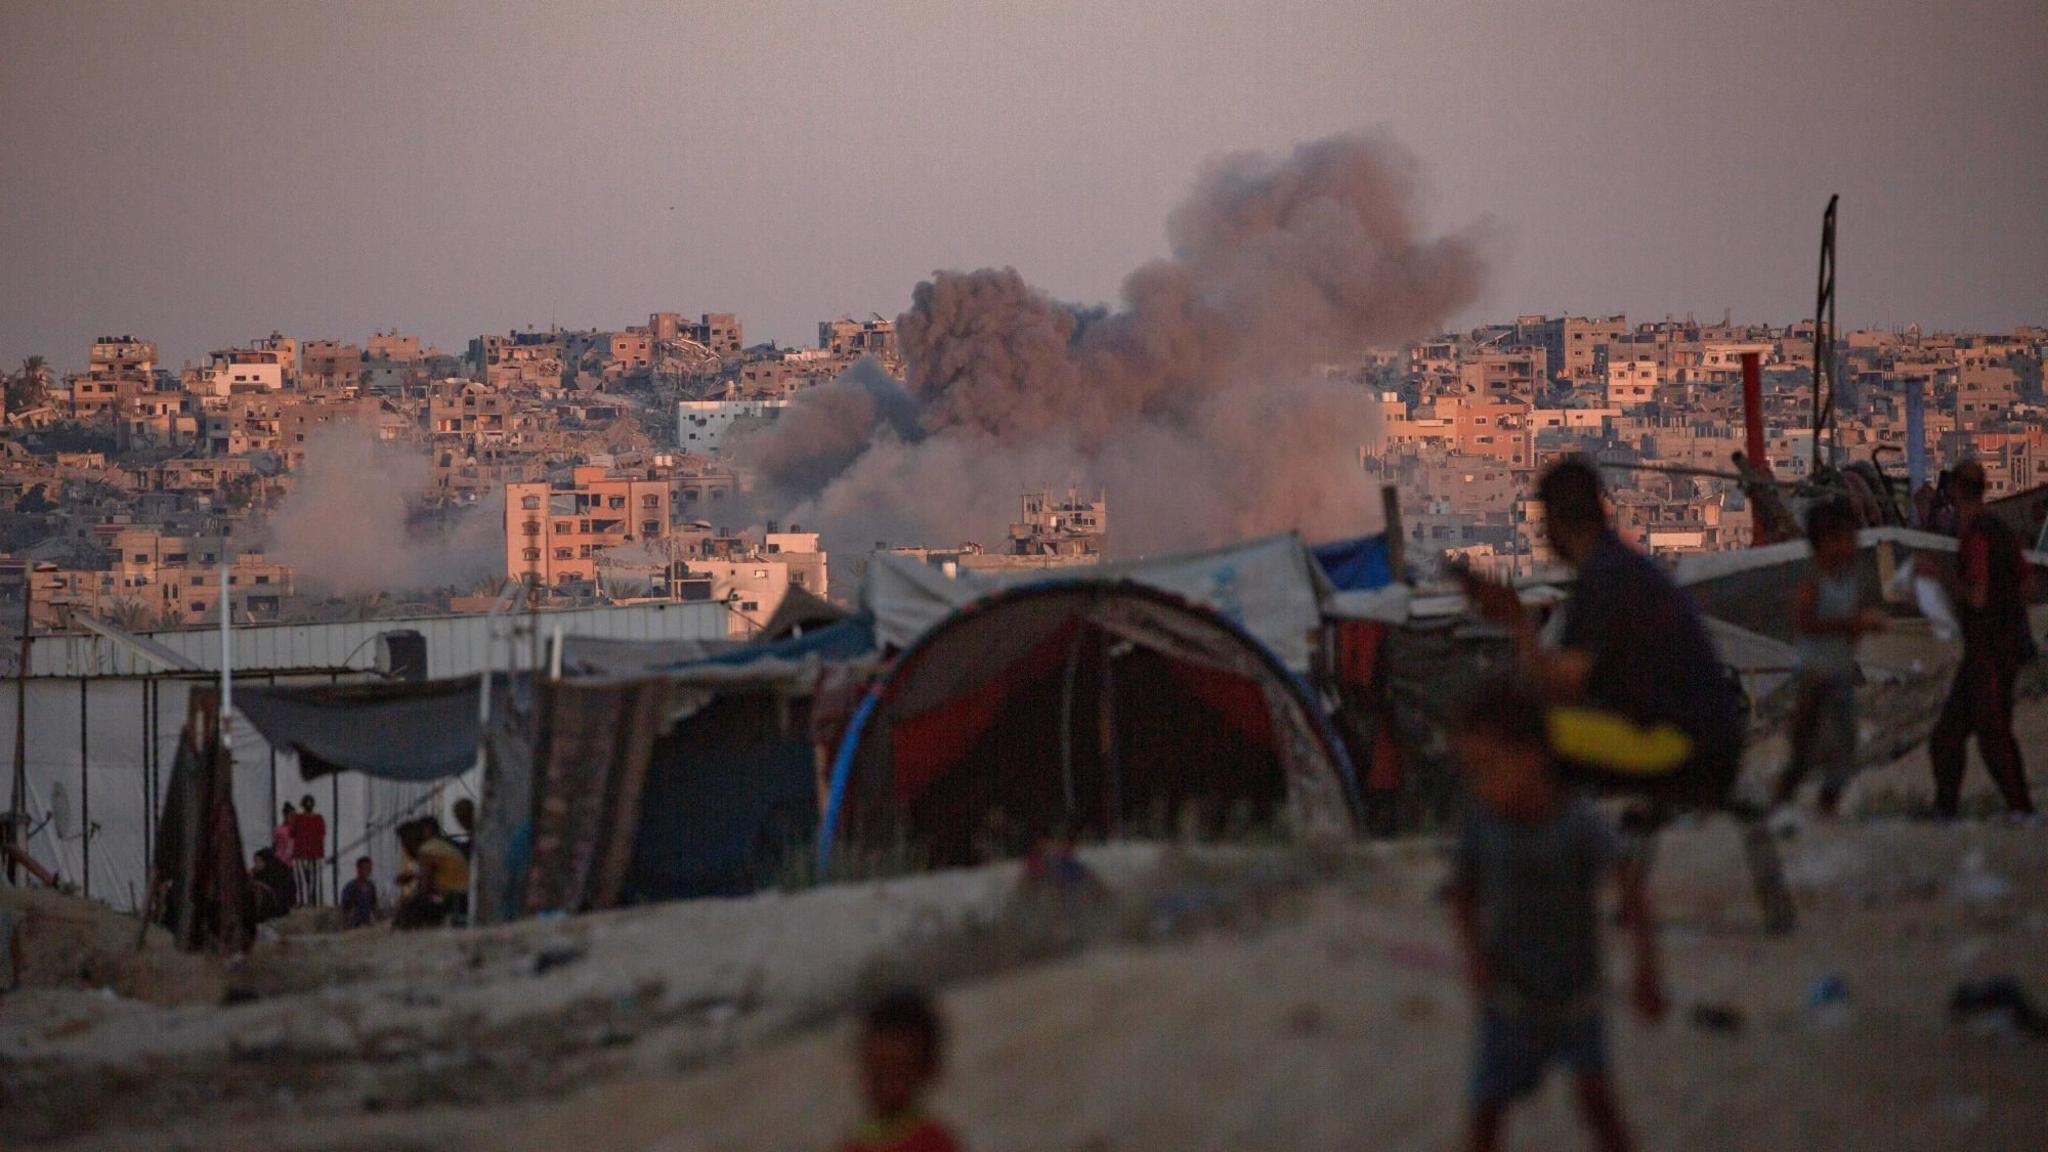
{"type": "Point", "coordinates": [337, 171]}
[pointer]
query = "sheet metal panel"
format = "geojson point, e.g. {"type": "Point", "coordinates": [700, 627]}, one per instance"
{"type": "Point", "coordinates": [456, 645]}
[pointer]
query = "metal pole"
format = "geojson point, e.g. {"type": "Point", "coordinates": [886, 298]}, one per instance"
{"type": "Point", "coordinates": [1916, 435]}
{"type": "Point", "coordinates": [19, 806]}
{"type": "Point", "coordinates": [273, 764]}
{"type": "Point", "coordinates": [156, 720]}
{"type": "Point", "coordinates": [227, 661]}
{"type": "Point", "coordinates": [84, 791]}
{"type": "Point", "coordinates": [147, 855]}
{"type": "Point", "coordinates": [334, 821]}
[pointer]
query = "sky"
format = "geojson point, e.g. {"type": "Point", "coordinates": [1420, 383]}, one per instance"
{"type": "Point", "coordinates": [203, 173]}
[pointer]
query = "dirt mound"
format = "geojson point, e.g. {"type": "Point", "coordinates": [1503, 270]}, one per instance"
{"type": "Point", "coordinates": [70, 943]}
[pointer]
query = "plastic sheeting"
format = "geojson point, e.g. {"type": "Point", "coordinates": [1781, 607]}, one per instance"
{"type": "Point", "coordinates": [1271, 587]}
{"type": "Point", "coordinates": [403, 730]}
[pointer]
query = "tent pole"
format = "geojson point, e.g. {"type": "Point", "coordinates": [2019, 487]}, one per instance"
{"type": "Point", "coordinates": [84, 788]}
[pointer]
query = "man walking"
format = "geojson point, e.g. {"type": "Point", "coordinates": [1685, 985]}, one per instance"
{"type": "Point", "coordinates": [1990, 595]}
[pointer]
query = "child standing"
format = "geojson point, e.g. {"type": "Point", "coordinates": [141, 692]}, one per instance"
{"type": "Point", "coordinates": [1831, 611]}
{"type": "Point", "coordinates": [1529, 866]}
{"type": "Point", "coordinates": [901, 1043]}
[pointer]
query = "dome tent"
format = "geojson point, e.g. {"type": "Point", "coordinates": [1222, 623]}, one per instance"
{"type": "Point", "coordinates": [1089, 708]}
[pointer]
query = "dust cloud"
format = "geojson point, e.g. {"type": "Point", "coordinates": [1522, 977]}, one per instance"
{"type": "Point", "coordinates": [1196, 403]}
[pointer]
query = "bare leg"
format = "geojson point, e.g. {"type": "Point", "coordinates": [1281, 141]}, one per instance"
{"type": "Point", "coordinates": [1601, 1111]}
{"type": "Point", "coordinates": [1767, 872]}
{"type": "Point", "coordinates": [1486, 1124]}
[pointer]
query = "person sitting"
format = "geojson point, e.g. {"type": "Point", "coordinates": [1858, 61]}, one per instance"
{"type": "Point", "coordinates": [274, 890]}
{"type": "Point", "coordinates": [439, 877]}
{"type": "Point", "coordinates": [359, 897]}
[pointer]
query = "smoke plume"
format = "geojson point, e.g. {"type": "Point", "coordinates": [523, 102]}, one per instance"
{"type": "Point", "coordinates": [1195, 403]}
{"type": "Point", "coordinates": [350, 526]}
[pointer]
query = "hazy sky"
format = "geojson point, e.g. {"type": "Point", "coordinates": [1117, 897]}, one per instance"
{"type": "Point", "coordinates": [204, 173]}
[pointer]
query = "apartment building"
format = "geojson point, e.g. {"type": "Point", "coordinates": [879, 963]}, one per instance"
{"type": "Point", "coordinates": [702, 426]}
{"type": "Point", "coordinates": [552, 530]}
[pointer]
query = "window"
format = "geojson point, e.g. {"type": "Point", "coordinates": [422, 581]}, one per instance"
{"type": "Point", "coordinates": [565, 527]}
{"type": "Point", "coordinates": [617, 502]}
{"type": "Point", "coordinates": [263, 579]}
{"type": "Point", "coordinates": [530, 502]}
{"type": "Point", "coordinates": [530, 528]}
{"type": "Point", "coordinates": [650, 501]}
{"type": "Point", "coordinates": [750, 606]}
{"type": "Point", "coordinates": [530, 554]}
{"type": "Point", "coordinates": [565, 554]}
{"type": "Point", "coordinates": [142, 558]}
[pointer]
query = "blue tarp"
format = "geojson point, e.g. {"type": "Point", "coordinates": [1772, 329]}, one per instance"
{"type": "Point", "coordinates": [849, 639]}
{"type": "Point", "coordinates": [1358, 565]}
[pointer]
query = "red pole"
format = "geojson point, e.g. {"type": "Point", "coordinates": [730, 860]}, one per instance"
{"type": "Point", "coordinates": [1753, 413]}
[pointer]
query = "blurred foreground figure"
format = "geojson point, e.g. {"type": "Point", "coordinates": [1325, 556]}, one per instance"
{"type": "Point", "coordinates": [1531, 860]}
{"type": "Point", "coordinates": [901, 1050]}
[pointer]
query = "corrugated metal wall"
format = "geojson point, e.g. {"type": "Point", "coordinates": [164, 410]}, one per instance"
{"type": "Point", "coordinates": [456, 645]}
{"type": "Point", "coordinates": [95, 777]}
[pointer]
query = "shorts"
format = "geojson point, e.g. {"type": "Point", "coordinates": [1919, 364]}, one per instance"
{"type": "Point", "coordinates": [1517, 1048]}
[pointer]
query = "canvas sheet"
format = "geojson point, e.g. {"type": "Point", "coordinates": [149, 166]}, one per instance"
{"type": "Point", "coordinates": [1271, 587]}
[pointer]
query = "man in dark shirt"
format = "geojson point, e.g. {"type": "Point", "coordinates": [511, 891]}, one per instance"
{"type": "Point", "coordinates": [1633, 649]}
{"type": "Point", "coordinates": [1990, 595]}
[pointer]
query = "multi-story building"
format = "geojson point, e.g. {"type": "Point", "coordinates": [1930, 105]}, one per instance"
{"type": "Point", "coordinates": [848, 337]}
{"type": "Point", "coordinates": [552, 530]}
{"type": "Point", "coordinates": [1632, 382]}
{"type": "Point", "coordinates": [702, 426]}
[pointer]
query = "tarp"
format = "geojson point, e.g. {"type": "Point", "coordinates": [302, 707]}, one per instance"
{"type": "Point", "coordinates": [397, 730]}
{"type": "Point", "coordinates": [1270, 587]}
{"type": "Point", "coordinates": [594, 656]}
{"type": "Point", "coordinates": [1084, 705]}
{"type": "Point", "coordinates": [199, 865]}
{"type": "Point", "coordinates": [849, 639]}
{"type": "Point", "coordinates": [1357, 565]}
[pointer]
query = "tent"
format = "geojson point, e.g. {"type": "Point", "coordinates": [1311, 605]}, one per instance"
{"type": "Point", "coordinates": [1085, 707]}
{"type": "Point", "coordinates": [1272, 588]}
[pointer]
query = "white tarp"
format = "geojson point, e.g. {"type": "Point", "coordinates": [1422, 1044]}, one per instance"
{"type": "Point", "coordinates": [1270, 587]}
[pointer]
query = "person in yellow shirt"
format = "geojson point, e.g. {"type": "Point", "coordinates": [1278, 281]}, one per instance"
{"type": "Point", "coordinates": [439, 876]}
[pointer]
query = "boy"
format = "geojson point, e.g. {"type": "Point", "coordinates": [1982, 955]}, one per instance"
{"type": "Point", "coordinates": [900, 1049]}
{"type": "Point", "coordinates": [1529, 865]}
{"type": "Point", "coordinates": [359, 897]}
{"type": "Point", "coordinates": [1830, 613]}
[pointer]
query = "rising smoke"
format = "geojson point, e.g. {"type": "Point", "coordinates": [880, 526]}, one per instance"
{"type": "Point", "coordinates": [351, 524]}
{"type": "Point", "coordinates": [1195, 404]}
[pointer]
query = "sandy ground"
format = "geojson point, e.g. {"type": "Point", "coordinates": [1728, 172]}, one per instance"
{"type": "Point", "coordinates": [1277, 998]}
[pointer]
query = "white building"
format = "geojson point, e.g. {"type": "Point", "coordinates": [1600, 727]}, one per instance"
{"type": "Point", "coordinates": [702, 425]}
